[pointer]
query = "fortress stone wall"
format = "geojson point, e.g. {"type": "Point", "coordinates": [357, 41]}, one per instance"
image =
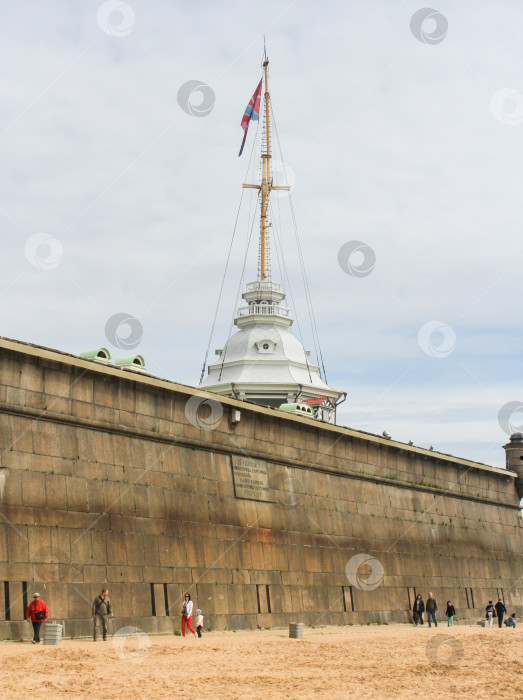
{"type": "Point", "coordinates": [110, 476]}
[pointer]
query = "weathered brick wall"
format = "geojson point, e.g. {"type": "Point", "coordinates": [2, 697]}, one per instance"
{"type": "Point", "coordinates": [107, 479]}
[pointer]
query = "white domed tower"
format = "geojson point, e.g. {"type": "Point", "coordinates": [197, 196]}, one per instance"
{"type": "Point", "coordinates": [263, 361]}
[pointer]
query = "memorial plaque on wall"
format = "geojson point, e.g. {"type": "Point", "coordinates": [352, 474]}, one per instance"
{"type": "Point", "coordinates": [251, 479]}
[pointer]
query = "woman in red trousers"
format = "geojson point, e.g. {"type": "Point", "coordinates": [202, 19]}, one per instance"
{"type": "Point", "coordinates": [187, 614]}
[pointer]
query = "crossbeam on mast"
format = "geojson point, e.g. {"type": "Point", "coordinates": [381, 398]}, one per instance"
{"type": "Point", "coordinates": [271, 187]}
{"type": "Point", "coordinates": [266, 183]}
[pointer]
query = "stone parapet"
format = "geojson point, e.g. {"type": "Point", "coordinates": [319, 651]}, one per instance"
{"type": "Point", "coordinates": [111, 477]}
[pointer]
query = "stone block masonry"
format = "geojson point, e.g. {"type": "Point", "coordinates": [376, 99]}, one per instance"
{"type": "Point", "coordinates": [111, 477]}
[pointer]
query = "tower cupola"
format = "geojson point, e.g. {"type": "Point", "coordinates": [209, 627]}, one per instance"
{"type": "Point", "coordinates": [263, 361]}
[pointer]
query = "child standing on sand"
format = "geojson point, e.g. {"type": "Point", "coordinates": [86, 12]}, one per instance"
{"type": "Point", "coordinates": [451, 611]}
{"type": "Point", "coordinates": [199, 622]}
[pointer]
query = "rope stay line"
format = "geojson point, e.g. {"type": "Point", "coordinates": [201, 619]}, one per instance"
{"type": "Point", "coordinates": [308, 297]}
{"type": "Point", "coordinates": [278, 238]}
{"type": "Point", "coordinates": [226, 268]}
{"type": "Point", "coordinates": [247, 247]}
{"type": "Point", "coordinates": [308, 293]}
{"type": "Point", "coordinates": [240, 286]}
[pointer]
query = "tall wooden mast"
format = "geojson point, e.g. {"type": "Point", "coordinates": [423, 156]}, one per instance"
{"type": "Point", "coordinates": [266, 178]}
{"type": "Point", "coordinates": [266, 182]}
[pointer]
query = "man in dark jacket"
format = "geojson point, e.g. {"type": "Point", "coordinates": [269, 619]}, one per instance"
{"type": "Point", "coordinates": [500, 610]}
{"type": "Point", "coordinates": [37, 612]}
{"type": "Point", "coordinates": [431, 608]}
{"type": "Point", "coordinates": [102, 609]}
{"type": "Point", "coordinates": [418, 610]}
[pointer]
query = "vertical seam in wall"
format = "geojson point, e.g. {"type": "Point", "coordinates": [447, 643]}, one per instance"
{"type": "Point", "coordinates": [7, 602]}
{"type": "Point", "coordinates": [153, 602]}
{"type": "Point", "coordinates": [166, 598]}
{"type": "Point", "coordinates": [24, 598]}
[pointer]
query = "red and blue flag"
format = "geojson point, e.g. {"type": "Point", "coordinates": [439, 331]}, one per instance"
{"type": "Point", "coordinates": [252, 111]}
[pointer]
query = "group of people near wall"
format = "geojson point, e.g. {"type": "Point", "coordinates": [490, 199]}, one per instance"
{"type": "Point", "coordinates": [187, 617]}
{"type": "Point", "coordinates": [38, 612]}
{"type": "Point", "coordinates": [499, 610]}
{"type": "Point", "coordinates": [420, 607]}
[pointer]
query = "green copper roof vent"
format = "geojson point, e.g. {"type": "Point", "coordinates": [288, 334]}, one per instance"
{"type": "Point", "coordinates": [132, 362]}
{"type": "Point", "coordinates": [98, 355]}
{"type": "Point", "coordinates": [302, 409]}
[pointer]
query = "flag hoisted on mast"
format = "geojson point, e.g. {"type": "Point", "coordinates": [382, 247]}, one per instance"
{"type": "Point", "coordinates": [252, 111]}
{"type": "Point", "coordinates": [263, 362]}
{"type": "Point", "coordinates": [266, 183]}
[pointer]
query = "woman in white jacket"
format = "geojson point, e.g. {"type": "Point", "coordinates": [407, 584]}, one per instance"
{"type": "Point", "coordinates": [187, 614]}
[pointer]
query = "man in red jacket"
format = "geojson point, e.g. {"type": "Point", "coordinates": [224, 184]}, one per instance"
{"type": "Point", "coordinates": [37, 612]}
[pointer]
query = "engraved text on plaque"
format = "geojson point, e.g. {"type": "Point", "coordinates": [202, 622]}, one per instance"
{"type": "Point", "coordinates": [251, 478]}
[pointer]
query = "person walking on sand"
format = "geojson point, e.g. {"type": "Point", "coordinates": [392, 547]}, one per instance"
{"type": "Point", "coordinates": [431, 608]}
{"type": "Point", "coordinates": [491, 611]}
{"type": "Point", "coordinates": [418, 610]}
{"type": "Point", "coordinates": [500, 611]}
{"type": "Point", "coordinates": [102, 609]}
{"type": "Point", "coordinates": [450, 613]}
{"type": "Point", "coordinates": [199, 622]}
{"type": "Point", "coordinates": [37, 612]}
{"type": "Point", "coordinates": [187, 614]}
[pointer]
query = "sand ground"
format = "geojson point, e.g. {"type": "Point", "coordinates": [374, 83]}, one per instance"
{"type": "Point", "coordinates": [394, 661]}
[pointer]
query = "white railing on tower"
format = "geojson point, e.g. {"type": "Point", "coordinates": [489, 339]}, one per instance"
{"type": "Point", "coordinates": [263, 310]}
{"type": "Point", "coordinates": [263, 286]}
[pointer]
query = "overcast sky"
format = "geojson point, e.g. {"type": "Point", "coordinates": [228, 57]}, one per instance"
{"type": "Point", "coordinates": [404, 134]}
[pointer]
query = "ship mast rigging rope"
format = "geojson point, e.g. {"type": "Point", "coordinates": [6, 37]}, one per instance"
{"type": "Point", "coordinates": [308, 297]}
{"type": "Point", "coordinates": [285, 276]}
{"type": "Point", "coordinates": [251, 228]}
{"type": "Point", "coordinates": [279, 252]}
{"type": "Point", "coordinates": [227, 266]}
{"type": "Point", "coordinates": [240, 286]}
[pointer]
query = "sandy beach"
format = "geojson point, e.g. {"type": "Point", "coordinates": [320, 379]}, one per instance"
{"type": "Point", "coordinates": [396, 661]}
